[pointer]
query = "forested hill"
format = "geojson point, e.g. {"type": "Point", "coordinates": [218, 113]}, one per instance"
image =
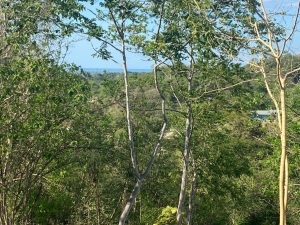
{"type": "Point", "coordinates": [178, 145]}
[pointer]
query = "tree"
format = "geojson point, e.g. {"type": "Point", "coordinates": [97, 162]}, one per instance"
{"type": "Point", "coordinates": [39, 119]}
{"type": "Point", "coordinates": [38, 113]}
{"type": "Point", "coordinates": [127, 23]}
{"type": "Point", "coordinates": [277, 93]}
{"type": "Point", "coordinates": [268, 39]}
{"type": "Point", "coordinates": [190, 49]}
{"type": "Point", "coordinates": [23, 24]}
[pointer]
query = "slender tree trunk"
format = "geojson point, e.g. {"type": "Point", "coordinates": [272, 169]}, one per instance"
{"type": "Point", "coordinates": [140, 177]}
{"type": "Point", "coordinates": [128, 115]}
{"type": "Point", "coordinates": [184, 178]}
{"type": "Point", "coordinates": [130, 202]}
{"type": "Point", "coordinates": [192, 192]}
{"type": "Point", "coordinates": [137, 186]}
{"type": "Point", "coordinates": [186, 155]}
{"type": "Point", "coordinates": [281, 118]}
{"type": "Point", "coordinates": [286, 184]}
{"type": "Point", "coordinates": [283, 178]}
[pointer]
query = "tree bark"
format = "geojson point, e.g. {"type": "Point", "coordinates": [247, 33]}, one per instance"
{"type": "Point", "coordinates": [130, 202]}
{"type": "Point", "coordinates": [184, 177]}
{"type": "Point", "coordinates": [283, 177]}
{"type": "Point", "coordinates": [140, 177]}
{"type": "Point", "coordinates": [186, 153]}
{"type": "Point", "coordinates": [192, 192]}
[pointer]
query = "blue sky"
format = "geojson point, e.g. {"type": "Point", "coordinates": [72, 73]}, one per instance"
{"type": "Point", "coordinates": [81, 50]}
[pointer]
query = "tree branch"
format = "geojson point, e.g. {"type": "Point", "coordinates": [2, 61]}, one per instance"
{"type": "Point", "coordinates": [222, 89]}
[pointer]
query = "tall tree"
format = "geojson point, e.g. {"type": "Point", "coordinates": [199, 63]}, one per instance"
{"type": "Point", "coordinates": [275, 47]}
{"type": "Point", "coordinates": [187, 38]}
{"type": "Point", "coordinates": [267, 39]}
{"type": "Point", "coordinates": [126, 25]}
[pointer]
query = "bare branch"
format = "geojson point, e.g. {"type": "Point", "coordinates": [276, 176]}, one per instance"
{"type": "Point", "coordinates": [291, 72]}
{"type": "Point", "coordinates": [292, 30]}
{"type": "Point", "coordinates": [109, 58]}
{"type": "Point", "coordinates": [222, 89]}
{"type": "Point", "coordinates": [163, 106]}
{"type": "Point", "coordinates": [116, 23]}
{"type": "Point", "coordinates": [109, 43]}
{"type": "Point", "coordinates": [262, 70]}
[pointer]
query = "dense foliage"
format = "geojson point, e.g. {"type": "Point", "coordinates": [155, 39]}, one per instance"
{"type": "Point", "coordinates": [178, 145]}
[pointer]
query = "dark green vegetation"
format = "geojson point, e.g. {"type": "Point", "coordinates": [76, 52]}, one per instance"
{"type": "Point", "coordinates": [174, 146]}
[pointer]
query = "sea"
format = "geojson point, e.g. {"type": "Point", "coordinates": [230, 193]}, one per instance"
{"type": "Point", "coordinates": [115, 70]}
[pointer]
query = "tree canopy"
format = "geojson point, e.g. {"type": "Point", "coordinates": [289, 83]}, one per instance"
{"type": "Point", "coordinates": [178, 145]}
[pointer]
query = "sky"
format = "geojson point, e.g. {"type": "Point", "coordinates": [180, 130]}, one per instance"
{"type": "Point", "coordinates": [81, 50]}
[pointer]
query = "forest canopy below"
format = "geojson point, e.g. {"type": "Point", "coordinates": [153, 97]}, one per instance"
{"type": "Point", "coordinates": [180, 145]}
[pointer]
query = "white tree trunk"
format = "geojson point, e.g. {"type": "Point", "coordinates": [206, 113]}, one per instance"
{"type": "Point", "coordinates": [283, 178]}
{"type": "Point", "coordinates": [130, 202]}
